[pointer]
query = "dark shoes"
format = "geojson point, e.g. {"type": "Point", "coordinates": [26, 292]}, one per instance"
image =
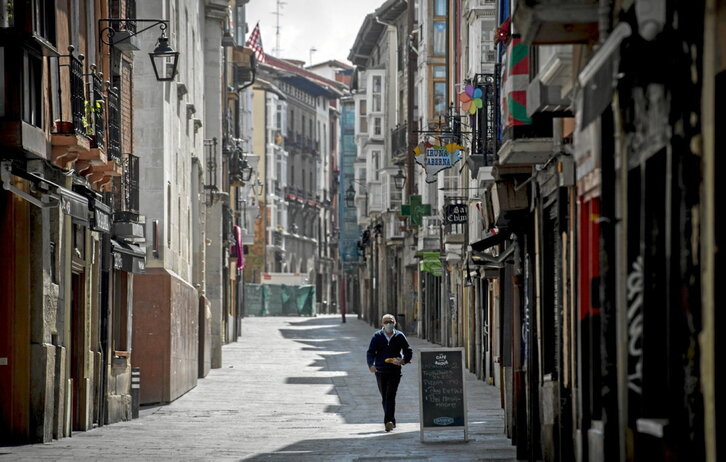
{"type": "Point", "coordinates": [390, 426]}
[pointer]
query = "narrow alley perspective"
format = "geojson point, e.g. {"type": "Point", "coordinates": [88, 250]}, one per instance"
{"type": "Point", "coordinates": [291, 388]}
{"type": "Point", "coordinates": [210, 209]}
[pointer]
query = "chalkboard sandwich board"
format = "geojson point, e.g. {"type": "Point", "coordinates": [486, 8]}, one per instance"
{"type": "Point", "coordinates": [442, 394]}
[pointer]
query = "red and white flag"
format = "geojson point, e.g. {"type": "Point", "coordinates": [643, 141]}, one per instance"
{"type": "Point", "coordinates": [254, 41]}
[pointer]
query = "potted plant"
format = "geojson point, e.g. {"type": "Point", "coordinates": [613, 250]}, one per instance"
{"type": "Point", "coordinates": [63, 127]}
{"type": "Point", "coordinates": [89, 111]}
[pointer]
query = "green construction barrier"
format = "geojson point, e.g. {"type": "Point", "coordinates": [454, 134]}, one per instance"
{"type": "Point", "coordinates": [280, 300]}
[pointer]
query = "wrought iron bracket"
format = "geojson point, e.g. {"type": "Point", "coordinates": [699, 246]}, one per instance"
{"type": "Point", "coordinates": [106, 31]}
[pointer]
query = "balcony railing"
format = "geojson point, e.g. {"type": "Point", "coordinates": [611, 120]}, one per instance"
{"type": "Point", "coordinates": [399, 140]}
{"type": "Point", "coordinates": [131, 184]}
{"type": "Point", "coordinates": [236, 157]}
{"type": "Point", "coordinates": [114, 125]}
{"type": "Point", "coordinates": [276, 239]}
{"type": "Point", "coordinates": [99, 128]}
{"type": "Point", "coordinates": [309, 146]}
{"type": "Point", "coordinates": [486, 122]}
{"type": "Point", "coordinates": [77, 93]}
{"type": "Point", "coordinates": [294, 142]}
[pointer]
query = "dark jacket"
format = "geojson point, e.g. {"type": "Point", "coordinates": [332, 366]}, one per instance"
{"type": "Point", "coordinates": [381, 348]}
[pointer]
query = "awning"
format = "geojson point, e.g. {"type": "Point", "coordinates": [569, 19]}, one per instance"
{"type": "Point", "coordinates": [597, 78]}
{"type": "Point", "coordinates": [72, 204]}
{"type": "Point", "coordinates": [128, 257]}
{"type": "Point", "coordinates": [492, 263]}
{"type": "Point", "coordinates": [490, 240]}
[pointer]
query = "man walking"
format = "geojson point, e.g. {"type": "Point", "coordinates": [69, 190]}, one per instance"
{"type": "Point", "coordinates": [388, 351]}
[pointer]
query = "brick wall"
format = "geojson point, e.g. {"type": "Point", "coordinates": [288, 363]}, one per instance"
{"type": "Point", "coordinates": [126, 107]}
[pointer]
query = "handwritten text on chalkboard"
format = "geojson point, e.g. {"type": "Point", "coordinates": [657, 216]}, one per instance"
{"type": "Point", "coordinates": [442, 389]}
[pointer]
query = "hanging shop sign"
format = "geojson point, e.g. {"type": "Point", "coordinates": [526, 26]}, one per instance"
{"type": "Point", "coordinates": [431, 263]}
{"type": "Point", "coordinates": [415, 210]}
{"type": "Point", "coordinates": [101, 217]}
{"type": "Point", "coordinates": [456, 214]}
{"type": "Point", "coordinates": [436, 158]}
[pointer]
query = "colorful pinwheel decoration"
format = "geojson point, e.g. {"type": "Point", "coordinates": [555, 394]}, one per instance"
{"type": "Point", "coordinates": [471, 99]}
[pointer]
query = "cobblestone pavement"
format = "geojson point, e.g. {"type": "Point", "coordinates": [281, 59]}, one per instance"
{"type": "Point", "coordinates": [290, 389]}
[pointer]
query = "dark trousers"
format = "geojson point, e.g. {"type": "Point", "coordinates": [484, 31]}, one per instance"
{"type": "Point", "coordinates": [388, 386]}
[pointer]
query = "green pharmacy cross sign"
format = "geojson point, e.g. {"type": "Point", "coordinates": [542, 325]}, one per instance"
{"type": "Point", "coordinates": [415, 210]}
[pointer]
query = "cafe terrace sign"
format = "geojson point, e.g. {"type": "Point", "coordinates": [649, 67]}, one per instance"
{"type": "Point", "coordinates": [436, 158]}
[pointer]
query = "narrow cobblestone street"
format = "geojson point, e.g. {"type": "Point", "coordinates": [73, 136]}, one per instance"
{"type": "Point", "coordinates": [290, 389]}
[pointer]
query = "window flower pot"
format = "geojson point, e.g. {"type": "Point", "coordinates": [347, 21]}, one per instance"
{"type": "Point", "coordinates": [63, 127]}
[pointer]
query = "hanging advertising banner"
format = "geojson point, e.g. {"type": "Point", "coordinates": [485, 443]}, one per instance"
{"type": "Point", "coordinates": [436, 158]}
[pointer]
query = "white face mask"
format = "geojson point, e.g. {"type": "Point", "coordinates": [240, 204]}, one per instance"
{"type": "Point", "coordinates": [388, 328]}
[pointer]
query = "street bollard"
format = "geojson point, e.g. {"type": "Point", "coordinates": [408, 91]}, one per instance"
{"type": "Point", "coordinates": [135, 390]}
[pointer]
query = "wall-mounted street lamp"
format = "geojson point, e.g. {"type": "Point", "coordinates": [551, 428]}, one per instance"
{"type": "Point", "coordinates": [399, 180]}
{"type": "Point", "coordinates": [245, 170]}
{"type": "Point", "coordinates": [350, 197]}
{"type": "Point", "coordinates": [350, 193]}
{"type": "Point", "coordinates": [164, 60]}
{"type": "Point", "coordinates": [257, 188]}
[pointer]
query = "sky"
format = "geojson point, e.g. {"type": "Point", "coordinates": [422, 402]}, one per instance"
{"type": "Point", "coordinates": [329, 26]}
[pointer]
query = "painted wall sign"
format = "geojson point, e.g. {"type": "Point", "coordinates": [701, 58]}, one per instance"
{"type": "Point", "coordinates": [436, 158]}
